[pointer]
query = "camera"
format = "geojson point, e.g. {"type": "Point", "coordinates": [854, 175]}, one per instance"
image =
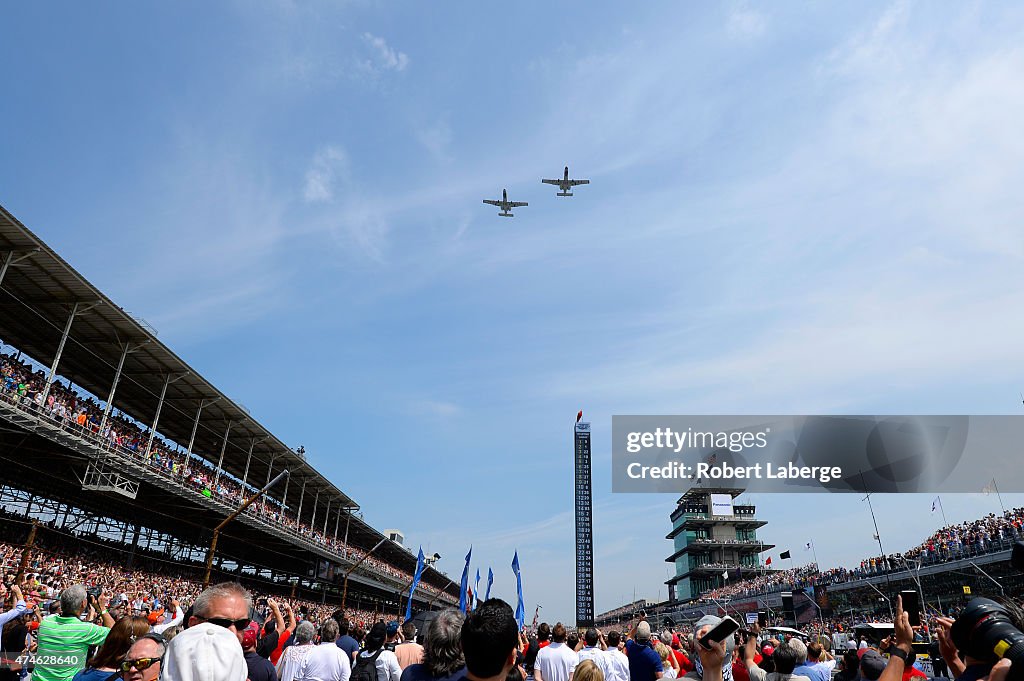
{"type": "Point", "coordinates": [985, 631]}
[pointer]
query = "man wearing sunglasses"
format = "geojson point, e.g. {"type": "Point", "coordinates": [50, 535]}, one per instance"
{"type": "Point", "coordinates": [225, 605]}
{"type": "Point", "coordinates": [142, 663]}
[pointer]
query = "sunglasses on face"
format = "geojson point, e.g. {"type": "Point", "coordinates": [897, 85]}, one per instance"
{"type": "Point", "coordinates": [141, 664]}
{"type": "Point", "coordinates": [227, 623]}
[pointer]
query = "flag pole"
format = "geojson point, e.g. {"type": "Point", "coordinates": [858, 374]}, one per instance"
{"type": "Point", "coordinates": [945, 523]}
{"type": "Point", "coordinates": [998, 495]}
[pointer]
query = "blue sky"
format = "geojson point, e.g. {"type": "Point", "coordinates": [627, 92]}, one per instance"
{"type": "Point", "coordinates": [794, 208]}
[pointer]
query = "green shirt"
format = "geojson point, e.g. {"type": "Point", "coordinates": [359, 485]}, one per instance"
{"type": "Point", "coordinates": [63, 645]}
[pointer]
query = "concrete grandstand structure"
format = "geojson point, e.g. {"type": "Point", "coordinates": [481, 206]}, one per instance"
{"type": "Point", "coordinates": [305, 537]}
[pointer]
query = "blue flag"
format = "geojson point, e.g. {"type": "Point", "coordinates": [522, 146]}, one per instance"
{"type": "Point", "coordinates": [520, 611]}
{"type": "Point", "coordinates": [415, 582]}
{"type": "Point", "coordinates": [465, 582]}
{"type": "Point", "coordinates": [490, 580]}
{"type": "Point", "coordinates": [476, 590]}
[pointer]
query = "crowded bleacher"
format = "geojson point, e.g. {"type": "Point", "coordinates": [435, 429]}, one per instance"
{"type": "Point", "coordinates": [82, 415]}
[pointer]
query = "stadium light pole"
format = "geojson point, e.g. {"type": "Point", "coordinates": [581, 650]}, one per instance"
{"type": "Point", "coordinates": [216, 531]}
{"type": "Point", "coordinates": [344, 590]}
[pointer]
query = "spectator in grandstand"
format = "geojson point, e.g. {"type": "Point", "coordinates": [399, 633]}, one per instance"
{"type": "Point", "coordinates": [374, 656]}
{"type": "Point", "coordinates": [291, 659]}
{"type": "Point", "coordinates": [18, 606]}
{"type": "Point", "coordinates": [442, 651]}
{"type": "Point", "coordinates": [802, 667]}
{"type": "Point", "coordinates": [205, 652]}
{"type": "Point", "coordinates": [64, 640]}
{"type": "Point", "coordinates": [347, 642]}
{"type": "Point", "coordinates": [490, 641]}
{"type": "Point", "coordinates": [592, 651]}
{"type": "Point", "coordinates": [644, 662]}
{"type": "Point", "coordinates": [664, 652]}
{"type": "Point", "coordinates": [326, 661]}
{"type": "Point", "coordinates": [107, 660]}
{"type": "Point", "coordinates": [272, 631]}
{"type": "Point", "coordinates": [820, 658]}
{"type": "Point", "coordinates": [160, 622]}
{"type": "Point", "coordinates": [144, 658]}
{"type": "Point", "coordinates": [226, 605]}
{"type": "Point", "coordinates": [616, 664]}
{"type": "Point", "coordinates": [588, 670]}
{"type": "Point", "coordinates": [784, 658]}
{"type": "Point", "coordinates": [408, 651]}
{"type": "Point", "coordinates": [557, 661]}
{"type": "Point", "coordinates": [391, 636]}
{"type": "Point", "coordinates": [259, 668]}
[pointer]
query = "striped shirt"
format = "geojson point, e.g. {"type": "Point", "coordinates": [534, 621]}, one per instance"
{"type": "Point", "coordinates": [63, 645]}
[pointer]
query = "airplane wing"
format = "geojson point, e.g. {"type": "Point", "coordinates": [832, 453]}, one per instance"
{"type": "Point", "coordinates": [554, 182]}
{"type": "Point", "coordinates": [517, 204]}
{"type": "Point", "coordinates": [578, 182]}
{"type": "Point", "coordinates": [492, 202]}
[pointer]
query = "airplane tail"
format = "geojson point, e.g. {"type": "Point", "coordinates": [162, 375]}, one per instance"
{"type": "Point", "coordinates": [564, 194]}
{"type": "Point", "coordinates": [506, 215]}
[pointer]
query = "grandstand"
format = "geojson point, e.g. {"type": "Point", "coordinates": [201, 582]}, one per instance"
{"type": "Point", "coordinates": [104, 428]}
{"type": "Point", "coordinates": [948, 568]}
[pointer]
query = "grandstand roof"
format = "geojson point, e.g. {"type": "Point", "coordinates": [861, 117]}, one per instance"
{"type": "Point", "coordinates": [37, 296]}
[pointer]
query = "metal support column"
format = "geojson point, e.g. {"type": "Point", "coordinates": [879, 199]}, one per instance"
{"type": "Point", "coordinates": [337, 521]}
{"type": "Point", "coordinates": [248, 460]}
{"type": "Point", "coordinates": [159, 408]}
{"type": "Point", "coordinates": [11, 260]}
{"type": "Point", "coordinates": [312, 520]}
{"type": "Point", "coordinates": [348, 519]}
{"type": "Point", "coordinates": [195, 426]}
{"type": "Point", "coordinates": [223, 448]}
{"type": "Point", "coordinates": [302, 496]}
{"type": "Point", "coordinates": [327, 515]}
{"type": "Point", "coordinates": [128, 349]}
{"type": "Point", "coordinates": [60, 351]}
{"type": "Point", "coordinates": [284, 499]}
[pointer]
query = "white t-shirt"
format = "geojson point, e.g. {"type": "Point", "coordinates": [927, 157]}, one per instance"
{"type": "Point", "coordinates": [618, 665]}
{"type": "Point", "coordinates": [326, 662]}
{"type": "Point", "coordinates": [598, 656]}
{"type": "Point", "coordinates": [388, 668]}
{"type": "Point", "coordinates": [556, 662]}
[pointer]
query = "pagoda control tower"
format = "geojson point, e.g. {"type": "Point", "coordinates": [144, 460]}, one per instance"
{"type": "Point", "coordinates": [712, 536]}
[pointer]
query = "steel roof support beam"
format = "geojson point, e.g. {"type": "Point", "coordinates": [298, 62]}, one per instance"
{"type": "Point", "coordinates": [284, 500]}
{"type": "Point", "coordinates": [337, 521]}
{"type": "Point", "coordinates": [128, 349]}
{"type": "Point", "coordinates": [302, 496]}
{"type": "Point", "coordinates": [75, 311]}
{"type": "Point", "coordinates": [223, 448]}
{"type": "Point", "coordinates": [312, 521]}
{"type": "Point", "coordinates": [13, 258]}
{"type": "Point", "coordinates": [195, 425]}
{"type": "Point", "coordinates": [348, 519]}
{"type": "Point", "coordinates": [326, 516]}
{"type": "Point", "coordinates": [159, 408]}
{"type": "Point", "coordinates": [248, 460]}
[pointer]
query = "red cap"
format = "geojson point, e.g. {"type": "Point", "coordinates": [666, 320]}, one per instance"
{"type": "Point", "coordinates": [249, 635]}
{"type": "Point", "coordinates": [767, 650]}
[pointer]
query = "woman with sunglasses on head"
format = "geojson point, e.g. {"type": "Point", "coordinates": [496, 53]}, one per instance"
{"type": "Point", "coordinates": [106, 663]}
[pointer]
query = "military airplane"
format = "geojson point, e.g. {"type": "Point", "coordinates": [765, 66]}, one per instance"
{"type": "Point", "coordinates": [505, 204]}
{"type": "Point", "coordinates": [565, 184]}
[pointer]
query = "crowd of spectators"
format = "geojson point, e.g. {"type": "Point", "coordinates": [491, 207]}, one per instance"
{"type": "Point", "coordinates": [964, 540]}
{"type": "Point", "coordinates": [82, 415]}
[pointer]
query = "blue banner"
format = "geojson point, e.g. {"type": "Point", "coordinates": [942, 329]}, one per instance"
{"type": "Point", "coordinates": [465, 582]}
{"type": "Point", "coordinates": [520, 611]}
{"type": "Point", "coordinates": [415, 582]}
{"type": "Point", "coordinates": [490, 580]}
{"type": "Point", "coordinates": [476, 590]}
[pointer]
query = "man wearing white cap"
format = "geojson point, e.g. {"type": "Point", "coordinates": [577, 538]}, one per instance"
{"type": "Point", "coordinates": [204, 652]}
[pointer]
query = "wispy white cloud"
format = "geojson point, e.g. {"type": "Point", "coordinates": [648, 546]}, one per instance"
{"type": "Point", "coordinates": [385, 57]}
{"type": "Point", "coordinates": [329, 166]}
